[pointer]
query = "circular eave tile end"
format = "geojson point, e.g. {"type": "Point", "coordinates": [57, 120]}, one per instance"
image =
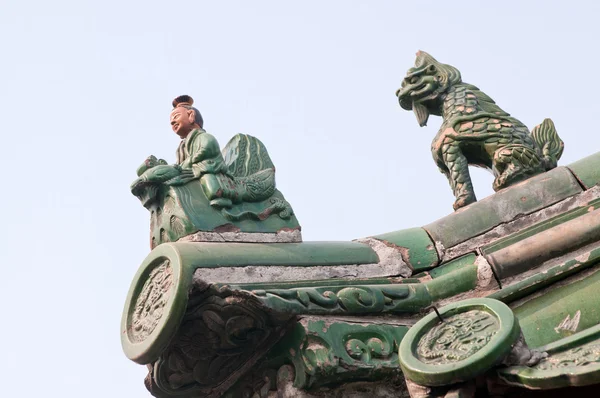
{"type": "Point", "coordinates": [474, 336]}
{"type": "Point", "coordinates": [154, 307]}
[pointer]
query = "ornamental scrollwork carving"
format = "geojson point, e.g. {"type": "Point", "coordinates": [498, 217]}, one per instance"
{"type": "Point", "coordinates": [339, 299]}
{"type": "Point", "coordinates": [220, 338]}
{"type": "Point", "coordinates": [372, 346]}
{"type": "Point", "coordinates": [318, 356]}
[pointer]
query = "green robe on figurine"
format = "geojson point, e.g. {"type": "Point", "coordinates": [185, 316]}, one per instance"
{"type": "Point", "coordinates": [200, 152]}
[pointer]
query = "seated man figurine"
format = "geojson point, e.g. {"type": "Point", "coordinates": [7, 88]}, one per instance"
{"type": "Point", "coordinates": [210, 190]}
{"type": "Point", "coordinates": [199, 151]}
{"type": "Point", "coordinates": [242, 173]}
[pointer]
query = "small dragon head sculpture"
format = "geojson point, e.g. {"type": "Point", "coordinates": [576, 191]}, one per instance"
{"type": "Point", "coordinates": [423, 85]}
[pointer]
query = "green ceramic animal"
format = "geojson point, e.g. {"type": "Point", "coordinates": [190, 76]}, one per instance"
{"type": "Point", "coordinates": [475, 130]}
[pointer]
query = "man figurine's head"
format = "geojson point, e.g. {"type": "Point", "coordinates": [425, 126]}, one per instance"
{"type": "Point", "coordinates": [184, 117]}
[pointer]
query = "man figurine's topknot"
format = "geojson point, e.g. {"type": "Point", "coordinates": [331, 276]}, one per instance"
{"type": "Point", "coordinates": [183, 100]}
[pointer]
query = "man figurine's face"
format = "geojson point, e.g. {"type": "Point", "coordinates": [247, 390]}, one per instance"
{"type": "Point", "coordinates": [182, 121]}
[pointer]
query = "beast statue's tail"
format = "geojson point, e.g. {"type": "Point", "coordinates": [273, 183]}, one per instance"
{"type": "Point", "coordinates": [246, 155]}
{"type": "Point", "coordinates": [548, 142]}
{"type": "Point", "coordinates": [249, 162]}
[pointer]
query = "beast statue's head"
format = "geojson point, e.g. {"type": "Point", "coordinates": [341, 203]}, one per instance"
{"type": "Point", "coordinates": [423, 85]}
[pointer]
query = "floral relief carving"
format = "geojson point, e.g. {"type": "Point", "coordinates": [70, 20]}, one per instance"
{"type": "Point", "coordinates": [458, 337]}
{"type": "Point", "coordinates": [151, 301]}
{"type": "Point", "coordinates": [219, 338]}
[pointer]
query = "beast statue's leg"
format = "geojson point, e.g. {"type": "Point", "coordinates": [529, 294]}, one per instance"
{"type": "Point", "coordinates": [214, 191]}
{"type": "Point", "coordinates": [515, 163]}
{"type": "Point", "coordinates": [459, 177]}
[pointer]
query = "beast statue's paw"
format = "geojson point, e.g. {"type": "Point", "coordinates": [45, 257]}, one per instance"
{"type": "Point", "coordinates": [499, 182]}
{"type": "Point", "coordinates": [463, 201]}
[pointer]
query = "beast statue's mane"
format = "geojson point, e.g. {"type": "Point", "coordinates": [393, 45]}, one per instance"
{"type": "Point", "coordinates": [448, 74]}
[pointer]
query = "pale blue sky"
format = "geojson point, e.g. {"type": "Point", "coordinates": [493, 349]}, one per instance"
{"type": "Point", "coordinates": [85, 96]}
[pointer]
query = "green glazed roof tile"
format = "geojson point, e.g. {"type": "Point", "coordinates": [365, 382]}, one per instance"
{"type": "Point", "coordinates": [457, 263]}
{"type": "Point", "coordinates": [504, 206]}
{"type": "Point", "coordinates": [587, 170]}
{"type": "Point", "coordinates": [541, 317]}
{"type": "Point", "coordinates": [415, 245]}
{"type": "Point", "coordinates": [212, 255]}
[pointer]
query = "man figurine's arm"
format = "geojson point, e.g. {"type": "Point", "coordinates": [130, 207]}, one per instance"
{"type": "Point", "coordinates": [202, 148]}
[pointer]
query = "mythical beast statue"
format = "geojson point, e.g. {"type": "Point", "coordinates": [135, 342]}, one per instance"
{"type": "Point", "coordinates": [475, 130]}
